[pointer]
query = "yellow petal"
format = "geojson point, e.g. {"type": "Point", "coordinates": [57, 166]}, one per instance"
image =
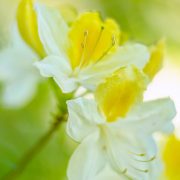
{"type": "Point", "coordinates": [156, 60]}
{"type": "Point", "coordinates": [171, 157]}
{"type": "Point", "coordinates": [120, 92]}
{"type": "Point", "coordinates": [91, 39]}
{"type": "Point", "coordinates": [28, 27]}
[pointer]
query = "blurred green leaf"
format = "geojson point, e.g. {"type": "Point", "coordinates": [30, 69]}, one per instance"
{"type": "Point", "coordinates": [20, 130]}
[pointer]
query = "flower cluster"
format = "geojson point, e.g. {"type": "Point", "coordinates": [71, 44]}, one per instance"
{"type": "Point", "coordinates": [112, 124]}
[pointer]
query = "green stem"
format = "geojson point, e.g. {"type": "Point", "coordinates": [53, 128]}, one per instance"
{"type": "Point", "coordinates": [27, 158]}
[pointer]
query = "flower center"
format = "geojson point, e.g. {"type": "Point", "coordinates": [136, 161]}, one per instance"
{"type": "Point", "coordinates": [91, 39]}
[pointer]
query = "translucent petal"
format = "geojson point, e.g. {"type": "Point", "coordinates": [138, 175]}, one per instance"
{"type": "Point", "coordinates": [88, 159]}
{"type": "Point", "coordinates": [83, 118]}
{"type": "Point", "coordinates": [52, 30]}
{"type": "Point", "coordinates": [108, 173]}
{"type": "Point", "coordinates": [59, 69]}
{"type": "Point", "coordinates": [128, 54]}
{"type": "Point", "coordinates": [151, 116]}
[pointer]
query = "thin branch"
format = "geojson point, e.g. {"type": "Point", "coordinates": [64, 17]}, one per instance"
{"type": "Point", "coordinates": [36, 149]}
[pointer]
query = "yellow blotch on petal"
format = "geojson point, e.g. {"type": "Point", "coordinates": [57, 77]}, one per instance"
{"type": "Point", "coordinates": [171, 157]}
{"type": "Point", "coordinates": [28, 27]}
{"type": "Point", "coordinates": [156, 60]}
{"type": "Point", "coordinates": [91, 39]}
{"type": "Point", "coordinates": [120, 92]}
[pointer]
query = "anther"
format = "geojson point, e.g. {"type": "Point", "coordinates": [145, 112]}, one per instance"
{"type": "Point", "coordinates": [141, 170]}
{"type": "Point", "coordinates": [102, 27]}
{"type": "Point", "coordinates": [154, 157]}
{"type": "Point", "coordinates": [84, 41]}
{"type": "Point", "coordinates": [124, 171]}
{"type": "Point", "coordinates": [138, 154]}
{"type": "Point", "coordinates": [149, 160]}
{"type": "Point", "coordinates": [109, 49]}
{"type": "Point", "coordinates": [142, 154]}
{"type": "Point", "coordinates": [113, 40]}
{"type": "Point", "coordinates": [85, 33]}
{"type": "Point", "coordinates": [82, 45]}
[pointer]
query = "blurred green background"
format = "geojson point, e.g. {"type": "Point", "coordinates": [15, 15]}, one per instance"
{"type": "Point", "coordinates": [145, 21]}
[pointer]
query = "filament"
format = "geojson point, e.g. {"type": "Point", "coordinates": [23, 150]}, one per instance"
{"type": "Point", "coordinates": [141, 170]}
{"type": "Point", "coordinates": [83, 46]}
{"type": "Point", "coordinates": [149, 160]}
{"type": "Point", "coordinates": [113, 43]}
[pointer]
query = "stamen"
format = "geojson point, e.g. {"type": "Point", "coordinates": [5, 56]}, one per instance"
{"type": "Point", "coordinates": [138, 154]}
{"type": "Point", "coordinates": [149, 160]}
{"type": "Point", "coordinates": [97, 41]}
{"type": "Point", "coordinates": [83, 46]}
{"type": "Point", "coordinates": [113, 40]}
{"type": "Point", "coordinates": [111, 46]}
{"type": "Point", "coordinates": [141, 170]}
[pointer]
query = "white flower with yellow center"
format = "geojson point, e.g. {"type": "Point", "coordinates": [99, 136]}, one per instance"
{"type": "Point", "coordinates": [85, 53]}
{"type": "Point", "coordinates": [115, 130]}
{"type": "Point", "coordinates": [17, 72]}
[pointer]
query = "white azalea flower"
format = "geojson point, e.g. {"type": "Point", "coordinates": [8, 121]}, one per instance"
{"type": "Point", "coordinates": [87, 52]}
{"type": "Point", "coordinates": [17, 73]}
{"type": "Point", "coordinates": [116, 129]}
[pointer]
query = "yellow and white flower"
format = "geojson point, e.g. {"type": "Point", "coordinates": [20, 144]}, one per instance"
{"type": "Point", "coordinates": [115, 129]}
{"type": "Point", "coordinates": [85, 53]}
{"type": "Point", "coordinates": [17, 72]}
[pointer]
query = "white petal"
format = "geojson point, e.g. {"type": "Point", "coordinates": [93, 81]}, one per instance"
{"type": "Point", "coordinates": [156, 169]}
{"type": "Point", "coordinates": [17, 73]}
{"type": "Point", "coordinates": [109, 174]}
{"type": "Point", "coordinates": [58, 68]}
{"type": "Point", "coordinates": [129, 54]}
{"type": "Point", "coordinates": [18, 76]}
{"type": "Point", "coordinates": [52, 29]}
{"type": "Point", "coordinates": [83, 118]}
{"type": "Point", "coordinates": [17, 57]}
{"type": "Point", "coordinates": [151, 116]}
{"type": "Point", "coordinates": [19, 92]}
{"type": "Point", "coordinates": [87, 161]}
